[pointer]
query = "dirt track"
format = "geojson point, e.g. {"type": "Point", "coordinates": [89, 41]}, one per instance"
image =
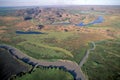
{"type": "Point", "coordinates": [87, 54]}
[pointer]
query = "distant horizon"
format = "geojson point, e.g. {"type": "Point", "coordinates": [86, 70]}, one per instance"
{"type": "Point", "coordinates": [56, 5]}
{"type": "Point", "coordinates": [4, 3]}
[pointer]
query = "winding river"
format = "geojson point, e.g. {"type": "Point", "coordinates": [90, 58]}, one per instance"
{"type": "Point", "coordinates": [100, 19]}
{"type": "Point", "coordinates": [70, 66]}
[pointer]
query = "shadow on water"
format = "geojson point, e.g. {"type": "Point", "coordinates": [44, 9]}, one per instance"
{"type": "Point", "coordinates": [10, 66]}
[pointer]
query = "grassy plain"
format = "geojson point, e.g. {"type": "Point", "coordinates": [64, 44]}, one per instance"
{"type": "Point", "coordinates": [46, 74]}
{"type": "Point", "coordinates": [103, 62]}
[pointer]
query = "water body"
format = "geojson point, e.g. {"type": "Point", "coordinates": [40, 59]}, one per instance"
{"type": "Point", "coordinates": [100, 19]}
{"type": "Point", "coordinates": [10, 66]}
{"type": "Point", "coordinates": [28, 32]}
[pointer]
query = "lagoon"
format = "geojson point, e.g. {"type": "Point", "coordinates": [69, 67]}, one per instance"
{"type": "Point", "coordinates": [100, 19]}
{"type": "Point", "coordinates": [28, 32]}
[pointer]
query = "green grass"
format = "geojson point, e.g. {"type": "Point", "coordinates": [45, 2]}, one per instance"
{"type": "Point", "coordinates": [55, 45]}
{"type": "Point", "coordinates": [43, 51]}
{"type": "Point", "coordinates": [47, 74]}
{"type": "Point", "coordinates": [49, 34]}
{"type": "Point", "coordinates": [103, 62]}
{"type": "Point", "coordinates": [55, 48]}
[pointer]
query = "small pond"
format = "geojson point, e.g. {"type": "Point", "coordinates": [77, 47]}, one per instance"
{"type": "Point", "coordinates": [28, 32]}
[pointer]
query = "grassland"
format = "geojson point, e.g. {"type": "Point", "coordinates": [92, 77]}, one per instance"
{"type": "Point", "coordinates": [44, 51]}
{"type": "Point", "coordinates": [46, 74]}
{"type": "Point", "coordinates": [56, 45]}
{"type": "Point", "coordinates": [50, 46]}
{"type": "Point", "coordinates": [103, 62]}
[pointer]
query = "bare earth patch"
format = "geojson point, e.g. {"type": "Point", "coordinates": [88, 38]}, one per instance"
{"type": "Point", "coordinates": [8, 18]}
